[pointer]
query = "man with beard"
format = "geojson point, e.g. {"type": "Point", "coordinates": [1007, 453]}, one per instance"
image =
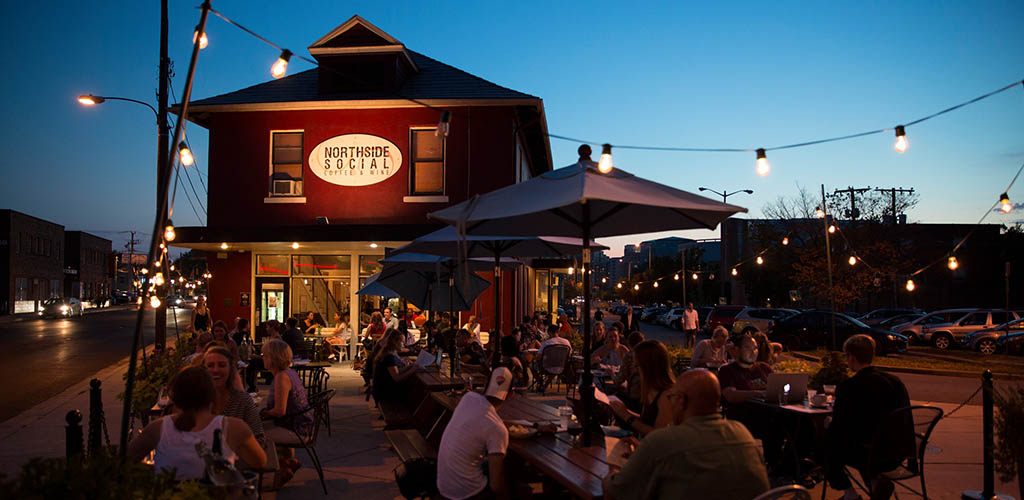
{"type": "Point", "coordinates": [742, 380]}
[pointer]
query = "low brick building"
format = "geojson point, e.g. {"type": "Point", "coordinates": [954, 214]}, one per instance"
{"type": "Point", "coordinates": [87, 266]}
{"type": "Point", "coordinates": [31, 261]}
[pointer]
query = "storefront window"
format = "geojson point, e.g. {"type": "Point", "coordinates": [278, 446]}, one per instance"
{"type": "Point", "coordinates": [322, 296]}
{"type": "Point", "coordinates": [541, 290]}
{"type": "Point", "coordinates": [321, 265]}
{"type": "Point", "coordinates": [272, 265]}
{"type": "Point", "coordinates": [368, 266]}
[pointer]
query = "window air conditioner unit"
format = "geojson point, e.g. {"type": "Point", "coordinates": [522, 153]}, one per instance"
{"type": "Point", "coordinates": [287, 188]}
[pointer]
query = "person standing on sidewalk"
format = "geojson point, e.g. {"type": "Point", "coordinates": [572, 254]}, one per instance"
{"type": "Point", "coordinates": [690, 325]}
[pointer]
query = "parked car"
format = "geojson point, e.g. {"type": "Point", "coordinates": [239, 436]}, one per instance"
{"type": "Point", "coordinates": [175, 301]}
{"type": "Point", "coordinates": [672, 318]}
{"type": "Point", "coordinates": [755, 319]}
{"type": "Point", "coordinates": [723, 315]}
{"type": "Point", "coordinates": [61, 307]}
{"type": "Point", "coordinates": [812, 329]}
{"type": "Point", "coordinates": [703, 313]}
{"type": "Point", "coordinates": [899, 319]}
{"type": "Point", "coordinates": [984, 341]}
{"type": "Point", "coordinates": [1011, 344]}
{"type": "Point", "coordinates": [879, 315]}
{"type": "Point", "coordinates": [913, 329]}
{"type": "Point", "coordinates": [651, 313]}
{"type": "Point", "coordinates": [947, 335]}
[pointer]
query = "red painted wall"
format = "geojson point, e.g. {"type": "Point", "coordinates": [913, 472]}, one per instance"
{"type": "Point", "coordinates": [483, 308]}
{"type": "Point", "coordinates": [480, 157]}
{"type": "Point", "coordinates": [231, 277]}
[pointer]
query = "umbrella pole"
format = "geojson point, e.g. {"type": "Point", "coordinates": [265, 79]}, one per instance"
{"type": "Point", "coordinates": [587, 389]}
{"type": "Point", "coordinates": [451, 319]}
{"type": "Point", "coordinates": [497, 299]}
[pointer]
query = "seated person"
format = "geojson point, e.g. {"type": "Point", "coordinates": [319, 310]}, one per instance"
{"type": "Point", "coordinates": [699, 456]}
{"type": "Point", "coordinates": [651, 356]}
{"type": "Point", "coordinates": [597, 336]}
{"type": "Point", "coordinates": [230, 400]}
{"type": "Point", "coordinates": [553, 339]}
{"type": "Point", "coordinates": [174, 437]}
{"type": "Point", "coordinates": [711, 352]}
{"type": "Point", "coordinates": [220, 334]}
{"type": "Point", "coordinates": [767, 352]}
{"type": "Point", "coordinates": [628, 378]}
{"type": "Point", "coordinates": [287, 406]}
{"type": "Point", "coordinates": [610, 355]}
{"type": "Point", "coordinates": [744, 378]}
{"type": "Point", "coordinates": [471, 354]}
{"type": "Point", "coordinates": [476, 438]}
{"type": "Point", "coordinates": [389, 370]}
{"type": "Point", "coordinates": [863, 403]}
{"type": "Point", "coordinates": [293, 336]}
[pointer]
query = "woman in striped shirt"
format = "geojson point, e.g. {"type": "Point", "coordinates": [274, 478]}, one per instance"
{"type": "Point", "coordinates": [230, 400]}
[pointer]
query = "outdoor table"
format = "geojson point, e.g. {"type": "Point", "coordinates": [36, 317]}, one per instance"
{"type": "Point", "coordinates": [800, 413]}
{"type": "Point", "coordinates": [434, 380]}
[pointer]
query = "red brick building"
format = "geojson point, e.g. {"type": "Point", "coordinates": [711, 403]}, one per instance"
{"type": "Point", "coordinates": [87, 266]}
{"type": "Point", "coordinates": [313, 175]}
{"type": "Point", "coordinates": [31, 261]}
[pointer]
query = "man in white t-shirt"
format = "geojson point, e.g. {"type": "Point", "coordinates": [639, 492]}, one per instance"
{"type": "Point", "coordinates": [390, 320]}
{"type": "Point", "coordinates": [476, 433]}
{"type": "Point", "coordinates": [691, 322]}
{"type": "Point", "coordinates": [553, 338]}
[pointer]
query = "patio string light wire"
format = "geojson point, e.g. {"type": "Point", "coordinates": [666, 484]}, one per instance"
{"type": "Point", "coordinates": [900, 130]}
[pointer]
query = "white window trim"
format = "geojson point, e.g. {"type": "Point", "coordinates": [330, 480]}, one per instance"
{"type": "Point", "coordinates": [270, 168]}
{"type": "Point", "coordinates": [412, 198]}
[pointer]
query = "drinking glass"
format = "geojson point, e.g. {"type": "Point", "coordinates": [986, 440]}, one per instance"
{"type": "Point", "coordinates": [564, 416]}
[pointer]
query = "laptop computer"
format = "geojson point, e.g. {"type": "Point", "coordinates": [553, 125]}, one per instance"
{"type": "Point", "coordinates": [786, 388]}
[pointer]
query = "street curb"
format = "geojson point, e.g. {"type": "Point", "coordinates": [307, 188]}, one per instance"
{"type": "Point", "coordinates": [14, 318]}
{"type": "Point", "coordinates": [921, 371]}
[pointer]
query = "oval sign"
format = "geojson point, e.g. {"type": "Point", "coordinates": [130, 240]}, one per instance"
{"type": "Point", "coordinates": [355, 159]}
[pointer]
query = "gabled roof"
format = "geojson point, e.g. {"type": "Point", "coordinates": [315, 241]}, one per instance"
{"type": "Point", "coordinates": [434, 80]}
{"type": "Point", "coordinates": [358, 36]}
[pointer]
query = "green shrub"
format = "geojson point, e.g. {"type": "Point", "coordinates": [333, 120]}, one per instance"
{"type": "Point", "coordinates": [153, 375]}
{"type": "Point", "coordinates": [679, 358]}
{"type": "Point", "coordinates": [833, 371]}
{"type": "Point", "coordinates": [795, 366]}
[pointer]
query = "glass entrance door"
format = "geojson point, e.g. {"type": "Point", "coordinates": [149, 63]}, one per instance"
{"type": "Point", "coordinates": [271, 299]}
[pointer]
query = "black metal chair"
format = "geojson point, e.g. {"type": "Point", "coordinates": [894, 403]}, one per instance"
{"type": "Point", "coordinates": [895, 434]}
{"type": "Point", "coordinates": [318, 404]}
{"type": "Point", "coordinates": [551, 365]}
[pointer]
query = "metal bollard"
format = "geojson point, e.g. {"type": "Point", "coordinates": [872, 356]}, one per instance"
{"type": "Point", "coordinates": [95, 416]}
{"type": "Point", "coordinates": [73, 435]}
{"type": "Point", "coordinates": [988, 443]}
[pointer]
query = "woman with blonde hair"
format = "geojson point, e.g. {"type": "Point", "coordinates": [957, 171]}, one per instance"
{"type": "Point", "coordinates": [201, 319]}
{"type": "Point", "coordinates": [389, 371]}
{"type": "Point", "coordinates": [229, 399]}
{"type": "Point", "coordinates": [174, 437]}
{"type": "Point", "coordinates": [375, 331]}
{"type": "Point", "coordinates": [286, 405]}
{"type": "Point", "coordinates": [651, 357]}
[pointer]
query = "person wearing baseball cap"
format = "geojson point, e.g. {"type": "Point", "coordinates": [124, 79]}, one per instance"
{"type": "Point", "coordinates": [476, 433]}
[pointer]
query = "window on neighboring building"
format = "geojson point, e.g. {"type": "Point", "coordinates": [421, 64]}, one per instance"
{"type": "Point", "coordinates": [54, 288]}
{"type": "Point", "coordinates": [20, 288]}
{"type": "Point", "coordinates": [426, 172]}
{"type": "Point", "coordinates": [286, 163]}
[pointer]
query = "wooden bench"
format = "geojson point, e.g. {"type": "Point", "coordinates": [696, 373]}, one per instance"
{"type": "Point", "coordinates": [396, 415]}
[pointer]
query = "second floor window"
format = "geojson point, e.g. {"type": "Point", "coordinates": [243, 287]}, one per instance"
{"type": "Point", "coordinates": [426, 172]}
{"type": "Point", "coordinates": [286, 164]}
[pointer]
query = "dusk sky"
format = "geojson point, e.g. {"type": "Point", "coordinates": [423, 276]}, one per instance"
{"type": "Point", "coordinates": [705, 74]}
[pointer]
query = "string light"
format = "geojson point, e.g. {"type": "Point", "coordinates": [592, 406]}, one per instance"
{"type": "Point", "coordinates": [831, 228]}
{"type": "Point", "coordinates": [760, 260]}
{"type": "Point", "coordinates": [711, 276]}
{"type": "Point", "coordinates": [1004, 203]}
{"type": "Point", "coordinates": [169, 231]}
{"type": "Point", "coordinates": [901, 139]}
{"type": "Point", "coordinates": [853, 260]}
{"type": "Point", "coordinates": [734, 271]}
{"type": "Point", "coordinates": [676, 277]}
{"type": "Point", "coordinates": [203, 41]}
{"type": "Point", "coordinates": [280, 66]}
{"type": "Point", "coordinates": [762, 163]}
{"type": "Point", "coordinates": [604, 280]}
{"type": "Point", "coordinates": [694, 276]}
{"type": "Point", "coordinates": [819, 213]}
{"type": "Point", "coordinates": [952, 263]}
{"type": "Point", "coordinates": [619, 285]}
{"type": "Point", "coordinates": [785, 241]}
{"type": "Point", "coordinates": [636, 286]}
{"type": "Point", "coordinates": [154, 301]}
{"type": "Point", "coordinates": [655, 284]}
{"type": "Point", "coordinates": [605, 165]}
{"type": "Point", "coordinates": [910, 285]}
{"type": "Point", "coordinates": [443, 124]}
{"type": "Point", "coordinates": [185, 154]}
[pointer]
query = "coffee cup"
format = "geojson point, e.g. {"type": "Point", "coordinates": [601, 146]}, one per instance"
{"type": "Point", "coordinates": [819, 400]}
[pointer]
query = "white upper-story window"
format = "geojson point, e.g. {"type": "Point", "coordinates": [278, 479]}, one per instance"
{"type": "Point", "coordinates": [286, 163]}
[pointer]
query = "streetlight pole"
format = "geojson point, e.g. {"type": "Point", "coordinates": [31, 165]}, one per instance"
{"type": "Point", "coordinates": [722, 241]}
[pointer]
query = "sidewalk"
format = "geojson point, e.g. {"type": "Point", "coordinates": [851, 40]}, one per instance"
{"type": "Point", "coordinates": [359, 462]}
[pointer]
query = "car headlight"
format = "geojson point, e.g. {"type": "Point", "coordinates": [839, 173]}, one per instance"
{"type": "Point", "coordinates": [891, 337]}
{"type": "Point", "coordinates": [63, 309]}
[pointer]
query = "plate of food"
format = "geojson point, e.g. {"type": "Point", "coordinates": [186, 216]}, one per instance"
{"type": "Point", "coordinates": [519, 429]}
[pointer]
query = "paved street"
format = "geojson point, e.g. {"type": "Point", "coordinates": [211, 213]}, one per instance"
{"type": "Point", "coordinates": [39, 358]}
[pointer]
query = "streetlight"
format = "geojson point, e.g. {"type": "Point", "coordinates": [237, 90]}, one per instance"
{"type": "Point", "coordinates": [724, 252]}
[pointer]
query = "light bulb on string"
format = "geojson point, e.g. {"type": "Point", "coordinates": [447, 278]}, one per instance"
{"type": "Point", "coordinates": [785, 241]}
{"type": "Point", "coordinates": [694, 276]}
{"type": "Point", "coordinates": [676, 277]}
{"type": "Point", "coordinates": [171, 268]}
{"type": "Point", "coordinates": [655, 284]}
{"type": "Point", "coordinates": [762, 163]}
{"type": "Point", "coordinates": [154, 301]}
{"type": "Point", "coordinates": [280, 66]}
{"type": "Point", "coordinates": [619, 285]}
{"type": "Point", "coordinates": [910, 285]}
{"type": "Point", "coordinates": [158, 279]}
{"type": "Point", "coordinates": [295, 245]}
{"type": "Point", "coordinates": [605, 164]}
{"type": "Point", "coordinates": [853, 260]}
{"type": "Point", "coordinates": [831, 228]}
{"type": "Point", "coordinates": [571, 270]}
{"type": "Point", "coordinates": [604, 280]}
{"type": "Point", "coordinates": [636, 286]}
{"type": "Point", "coordinates": [901, 139]}
{"type": "Point", "coordinates": [169, 231]}
{"type": "Point", "coordinates": [711, 276]}
{"type": "Point", "coordinates": [760, 260]}
{"type": "Point", "coordinates": [819, 213]}
{"type": "Point", "coordinates": [203, 41]}
{"type": "Point", "coordinates": [1004, 203]}
{"type": "Point", "coordinates": [185, 154]}
{"type": "Point", "coordinates": [952, 264]}
{"type": "Point", "coordinates": [735, 272]}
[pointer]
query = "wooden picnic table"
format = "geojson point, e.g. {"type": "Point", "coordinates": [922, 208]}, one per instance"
{"type": "Point", "coordinates": [580, 470]}
{"type": "Point", "coordinates": [434, 380]}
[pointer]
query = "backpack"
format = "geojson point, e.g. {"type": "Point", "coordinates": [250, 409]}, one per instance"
{"type": "Point", "coordinates": [417, 477]}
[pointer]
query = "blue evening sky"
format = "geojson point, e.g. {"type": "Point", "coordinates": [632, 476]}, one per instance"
{"type": "Point", "coordinates": [708, 74]}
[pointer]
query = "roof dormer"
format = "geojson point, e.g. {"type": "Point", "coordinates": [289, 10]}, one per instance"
{"type": "Point", "coordinates": [359, 55]}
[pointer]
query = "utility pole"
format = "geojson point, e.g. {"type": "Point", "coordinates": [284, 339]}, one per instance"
{"type": "Point", "coordinates": [892, 192]}
{"type": "Point", "coordinates": [828, 257]}
{"type": "Point", "coordinates": [162, 166]}
{"type": "Point", "coordinates": [131, 260]}
{"type": "Point", "coordinates": [854, 214]}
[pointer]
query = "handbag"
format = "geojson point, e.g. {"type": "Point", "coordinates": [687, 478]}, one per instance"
{"type": "Point", "coordinates": [417, 477]}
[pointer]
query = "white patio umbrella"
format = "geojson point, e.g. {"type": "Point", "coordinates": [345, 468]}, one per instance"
{"type": "Point", "coordinates": [580, 201]}
{"type": "Point", "coordinates": [446, 242]}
